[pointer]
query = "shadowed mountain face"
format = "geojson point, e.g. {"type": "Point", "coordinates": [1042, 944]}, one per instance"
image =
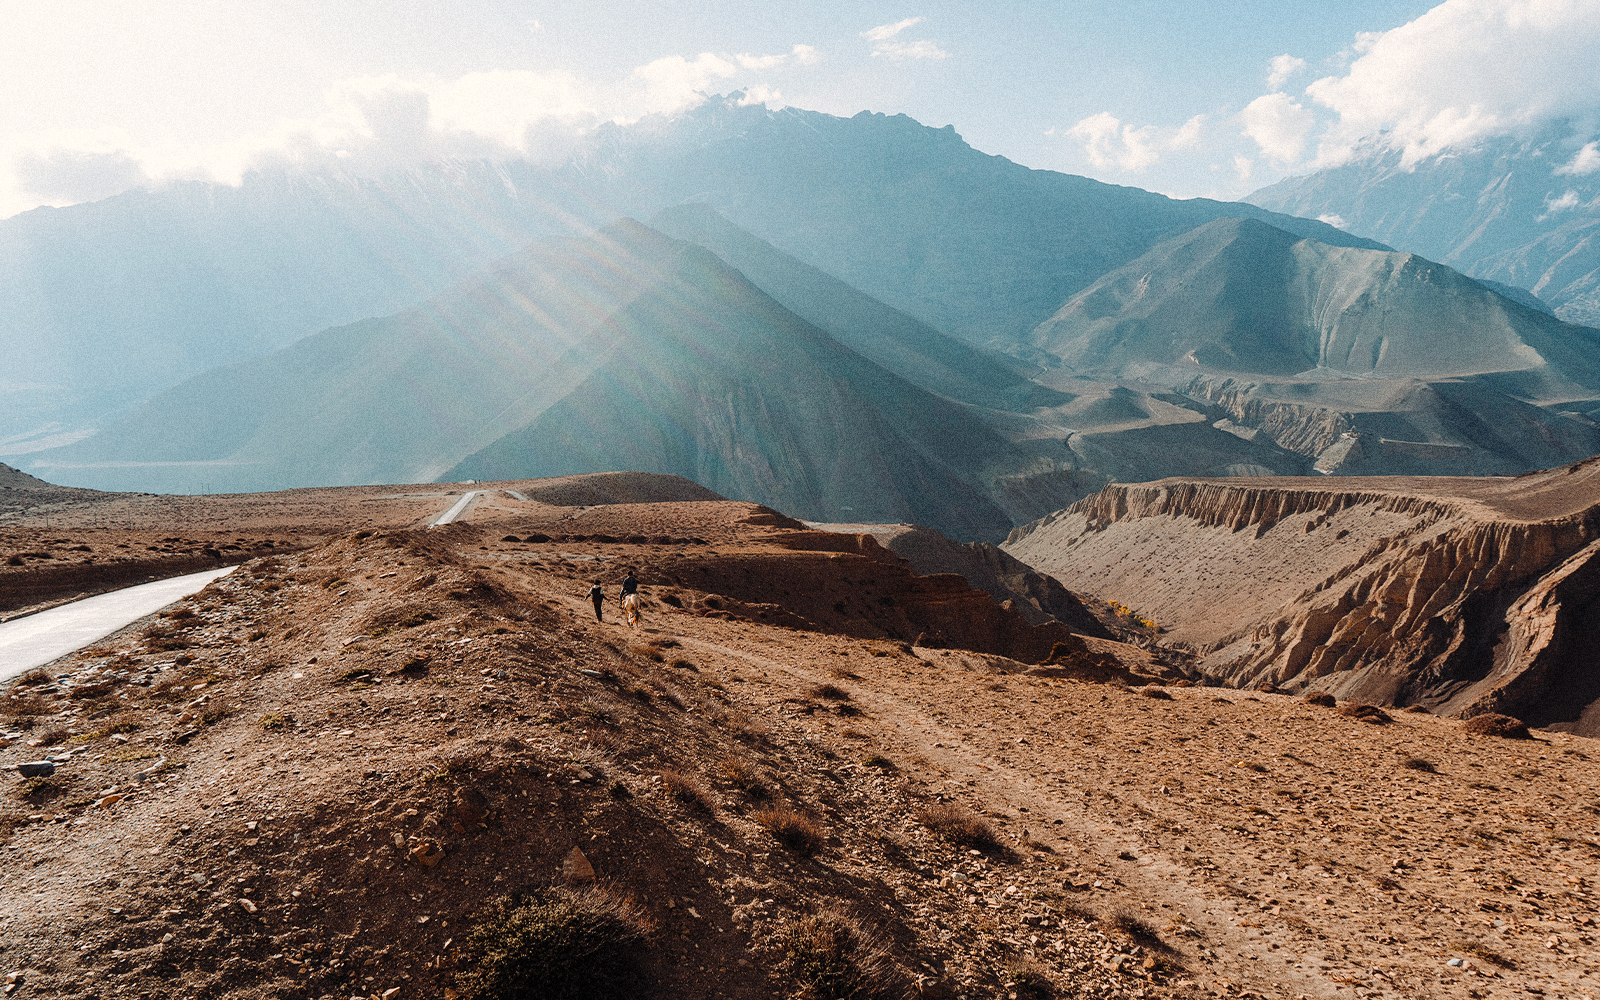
{"type": "Point", "coordinates": [1525, 212]}
{"type": "Point", "coordinates": [1363, 361]}
{"type": "Point", "coordinates": [1238, 296]}
{"type": "Point", "coordinates": [906, 346]}
{"type": "Point", "coordinates": [720, 383]}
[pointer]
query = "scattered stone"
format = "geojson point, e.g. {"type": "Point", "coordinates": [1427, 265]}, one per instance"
{"type": "Point", "coordinates": [576, 868]}
{"type": "Point", "coordinates": [37, 769]}
{"type": "Point", "coordinates": [471, 806]}
{"type": "Point", "coordinates": [427, 853]}
{"type": "Point", "coordinates": [247, 906]}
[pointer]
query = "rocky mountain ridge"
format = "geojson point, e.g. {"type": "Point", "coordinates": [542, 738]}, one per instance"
{"type": "Point", "coordinates": [1463, 596]}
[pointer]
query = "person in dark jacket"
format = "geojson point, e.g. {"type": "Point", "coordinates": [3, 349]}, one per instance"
{"type": "Point", "coordinates": [597, 594]}
{"type": "Point", "coordinates": [630, 598]}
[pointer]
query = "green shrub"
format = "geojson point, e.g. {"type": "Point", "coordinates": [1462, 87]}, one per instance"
{"type": "Point", "coordinates": [570, 945]}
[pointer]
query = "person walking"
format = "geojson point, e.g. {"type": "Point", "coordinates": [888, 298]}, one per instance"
{"type": "Point", "coordinates": [597, 594]}
{"type": "Point", "coordinates": [630, 598]}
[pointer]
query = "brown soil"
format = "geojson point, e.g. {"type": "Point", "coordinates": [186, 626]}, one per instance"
{"type": "Point", "coordinates": [327, 720]}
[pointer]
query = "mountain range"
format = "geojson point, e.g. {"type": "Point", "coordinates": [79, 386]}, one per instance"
{"type": "Point", "coordinates": [851, 320]}
{"type": "Point", "coordinates": [105, 304]}
{"type": "Point", "coordinates": [1522, 212]}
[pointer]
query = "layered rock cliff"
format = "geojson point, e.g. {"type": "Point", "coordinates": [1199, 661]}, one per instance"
{"type": "Point", "coordinates": [1461, 595]}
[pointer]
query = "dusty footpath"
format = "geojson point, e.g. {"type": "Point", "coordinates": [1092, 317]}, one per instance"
{"type": "Point", "coordinates": [310, 779]}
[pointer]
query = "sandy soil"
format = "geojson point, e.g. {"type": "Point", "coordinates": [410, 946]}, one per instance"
{"type": "Point", "coordinates": [245, 785]}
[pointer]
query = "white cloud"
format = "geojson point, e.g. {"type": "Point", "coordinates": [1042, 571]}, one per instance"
{"type": "Point", "coordinates": [807, 55]}
{"type": "Point", "coordinates": [1334, 220]}
{"type": "Point", "coordinates": [1283, 67]}
{"type": "Point", "coordinates": [1584, 161]}
{"type": "Point", "coordinates": [1243, 167]}
{"type": "Point", "coordinates": [762, 94]}
{"type": "Point", "coordinates": [1464, 70]}
{"type": "Point", "coordinates": [761, 62]}
{"type": "Point", "coordinates": [1108, 142]}
{"type": "Point", "coordinates": [673, 83]}
{"type": "Point", "coordinates": [1278, 125]}
{"type": "Point", "coordinates": [884, 45]}
{"type": "Point", "coordinates": [884, 32]}
{"type": "Point", "coordinates": [896, 51]}
{"type": "Point", "coordinates": [1564, 203]}
{"type": "Point", "coordinates": [66, 176]}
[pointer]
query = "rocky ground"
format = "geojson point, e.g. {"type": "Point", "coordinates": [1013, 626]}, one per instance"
{"type": "Point", "coordinates": [310, 779]}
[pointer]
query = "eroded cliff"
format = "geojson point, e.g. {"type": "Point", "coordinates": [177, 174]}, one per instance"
{"type": "Point", "coordinates": [1461, 595]}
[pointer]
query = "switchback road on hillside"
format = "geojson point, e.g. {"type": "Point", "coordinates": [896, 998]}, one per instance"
{"type": "Point", "coordinates": [33, 641]}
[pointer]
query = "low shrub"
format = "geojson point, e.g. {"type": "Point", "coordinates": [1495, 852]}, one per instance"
{"type": "Point", "coordinates": [1321, 698]}
{"type": "Point", "coordinates": [1418, 764]}
{"type": "Point", "coordinates": [830, 692]}
{"type": "Point", "coordinates": [1134, 928]}
{"type": "Point", "coordinates": [569, 945]}
{"type": "Point", "coordinates": [686, 790]}
{"type": "Point", "coordinates": [52, 736]}
{"type": "Point", "coordinates": [1503, 726]}
{"type": "Point", "coordinates": [961, 826]}
{"type": "Point", "coordinates": [1152, 691]}
{"type": "Point", "coordinates": [793, 829]}
{"type": "Point", "coordinates": [1027, 980]}
{"type": "Point", "coordinates": [741, 774]}
{"type": "Point", "coordinates": [832, 957]}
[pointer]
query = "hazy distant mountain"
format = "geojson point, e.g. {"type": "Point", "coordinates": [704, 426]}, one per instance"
{"type": "Point", "coordinates": [623, 350]}
{"type": "Point", "coordinates": [906, 346]}
{"type": "Point", "coordinates": [104, 304]}
{"type": "Point", "coordinates": [1366, 361]}
{"type": "Point", "coordinates": [1522, 212]}
{"type": "Point", "coordinates": [719, 383]}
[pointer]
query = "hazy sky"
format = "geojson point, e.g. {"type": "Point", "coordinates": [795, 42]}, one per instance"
{"type": "Point", "coordinates": [1189, 99]}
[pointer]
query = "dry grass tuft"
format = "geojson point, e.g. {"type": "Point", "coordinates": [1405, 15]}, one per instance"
{"type": "Point", "coordinates": [1321, 698]}
{"type": "Point", "coordinates": [53, 735]}
{"type": "Point", "coordinates": [1133, 927]}
{"type": "Point", "coordinates": [36, 676]}
{"type": "Point", "coordinates": [830, 692]}
{"type": "Point", "coordinates": [1028, 980]}
{"type": "Point", "coordinates": [1478, 949]}
{"type": "Point", "coordinates": [793, 829]}
{"type": "Point", "coordinates": [741, 774]}
{"type": "Point", "coordinates": [573, 945]}
{"type": "Point", "coordinates": [1419, 764]}
{"type": "Point", "coordinates": [1364, 712]}
{"type": "Point", "coordinates": [1157, 693]}
{"type": "Point", "coordinates": [1417, 710]}
{"type": "Point", "coordinates": [832, 957]}
{"type": "Point", "coordinates": [686, 790]}
{"type": "Point", "coordinates": [962, 826]}
{"type": "Point", "coordinates": [1503, 726]}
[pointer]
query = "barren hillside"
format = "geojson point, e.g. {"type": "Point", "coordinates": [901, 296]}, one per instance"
{"type": "Point", "coordinates": [1460, 595]}
{"type": "Point", "coordinates": [313, 778]}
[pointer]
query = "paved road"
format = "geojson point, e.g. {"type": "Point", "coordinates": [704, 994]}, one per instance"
{"type": "Point", "coordinates": [460, 507]}
{"type": "Point", "coordinates": [37, 639]}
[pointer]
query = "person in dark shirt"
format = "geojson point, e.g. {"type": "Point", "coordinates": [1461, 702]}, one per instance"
{"type": "Point", "coordinates": [597, 594]}
{"type": "Point", "coordinates": [630, 598]}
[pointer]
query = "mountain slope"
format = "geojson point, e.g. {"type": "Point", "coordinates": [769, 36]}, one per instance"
{"type": "Point", "coordinates": [906, 346]}
{"type": "Point", "coordinates": [1525, 212]}
{"type": "Point", "coordinates": [1368, 362]}
{"type": "Point", "coordinates": [721, 384]}
{"type": "Point", "coordinates": [398, 399]}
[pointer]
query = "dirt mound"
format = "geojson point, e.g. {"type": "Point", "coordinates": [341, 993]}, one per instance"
{"type": "Point", "coordinates": [612, 487]}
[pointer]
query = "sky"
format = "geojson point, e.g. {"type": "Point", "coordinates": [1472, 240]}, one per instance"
{"type": "Point", "coordinates": [1216, 99]}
